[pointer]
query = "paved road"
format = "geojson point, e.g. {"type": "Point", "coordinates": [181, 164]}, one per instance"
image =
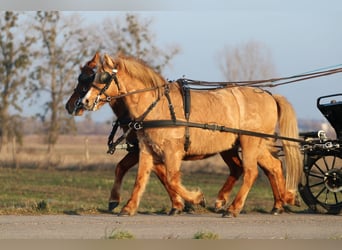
{"type": "Point", "coordinates": [246, 226]}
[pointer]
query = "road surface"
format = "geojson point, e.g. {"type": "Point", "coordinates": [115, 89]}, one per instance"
{"type": "Point", "coordinates": [151, 226]}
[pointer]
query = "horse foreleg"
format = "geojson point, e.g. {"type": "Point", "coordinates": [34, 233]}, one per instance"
{"type": "Point", "coordinates": [172, 164]}
{"type": "Point", "coordinates": [144, 170]}
{"type": "Point", "coordinates": [177, 201]}
{"type": "Point", "coordinates": [233, 161]}
{"type": "Point", "coordinates": [121, 169]}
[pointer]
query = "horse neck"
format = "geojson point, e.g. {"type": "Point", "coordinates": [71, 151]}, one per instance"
{"type": "Point", "coordinates": [119, 108]}
{"type": "Point", "coordinates": [138, 103]}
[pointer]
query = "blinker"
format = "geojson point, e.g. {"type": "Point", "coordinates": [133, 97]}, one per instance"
{"type": "Point", "coordinates": [86, 79]}
{"type": "Point", "coordinates": [105, 78]}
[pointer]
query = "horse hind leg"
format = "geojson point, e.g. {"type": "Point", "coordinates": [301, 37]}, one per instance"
{"type": "Point", "coordinates": [272, 167]}
{"type": "Point", "coordinates": [250, 150]}
{"type": "Point", "coordinates": [233, 161]}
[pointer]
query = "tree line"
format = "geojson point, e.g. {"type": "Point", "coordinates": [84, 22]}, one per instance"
{"type": "Point", "coordinates": [40, 56]}
{"type": "Point", "coordinates": [41, 52]}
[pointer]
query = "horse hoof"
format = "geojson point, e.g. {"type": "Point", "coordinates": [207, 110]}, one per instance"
{"type": "Point", "coordinates": [112, 205]}
{"type": "Point", "coordinates": [227, 214]}
{"type": "Point", "coordinates": [219, 205]}
{"type": "Point", "coordinates": [124, 213]}
{"type": "Point", "coordinates": [174, 211]}
{"type": "Point", "coordinates": [203, 202]}
{"type": "Point", "coordinates": [188, 208]}
{"type": "Point", "coordinates": [277, 211]}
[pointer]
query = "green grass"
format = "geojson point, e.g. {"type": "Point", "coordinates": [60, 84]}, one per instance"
{"type": "Point", "coordinates": [120, 235]}
{"type": "Point", "coordinates": [201, 235]}
{"type": "Point", "coordinates": [36, 191]}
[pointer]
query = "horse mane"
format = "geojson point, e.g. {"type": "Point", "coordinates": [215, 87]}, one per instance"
{"type": "Point", "coordinates": [139, 69]}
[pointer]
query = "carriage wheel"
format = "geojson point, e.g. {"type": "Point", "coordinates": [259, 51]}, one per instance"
{"type": "Point", "coordinates": [321, 188]}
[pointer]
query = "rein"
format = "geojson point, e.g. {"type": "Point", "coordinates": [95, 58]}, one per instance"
{"type": "Point", "coordinates": [212, 127]}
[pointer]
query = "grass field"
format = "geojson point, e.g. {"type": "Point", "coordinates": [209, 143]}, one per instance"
{"type": "Point", "coordinates": [74, 182]}
{"type": "Point", "coordinates": [26, 191]}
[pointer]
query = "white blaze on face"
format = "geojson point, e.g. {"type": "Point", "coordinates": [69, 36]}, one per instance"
{"type": "Point", "coordinates": [88, 102]}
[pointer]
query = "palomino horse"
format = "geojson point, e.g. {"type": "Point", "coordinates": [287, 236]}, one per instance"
{"type": "Point", "coordinates": [74, 107]}
{"type": "Point", "coordinates": [149, 99]}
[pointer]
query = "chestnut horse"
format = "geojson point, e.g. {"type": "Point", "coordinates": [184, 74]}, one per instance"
{"type": "Point", "coordinates": [136, 82]}
{"type": "Point", "coordinates": [74, 107]}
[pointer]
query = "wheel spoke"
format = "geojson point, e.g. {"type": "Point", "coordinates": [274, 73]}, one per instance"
{"type": "Point", "coordinates": [319, 169]}
{"type": "Point", "coordinates": [317, 184]}
{"type": "Point", "coordinates": [336, 199]}
{"type": "Point", "coordinates": [320, 192]}
{"type": "Point", "coordinates": [325, 163]}
{"type": "Point", "coordinates": [333, 162]}
{"type": "Point", "coordinates": [316, 176]}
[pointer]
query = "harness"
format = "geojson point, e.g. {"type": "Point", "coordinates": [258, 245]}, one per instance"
{"type": "Point", "coordinates": [185, 89]}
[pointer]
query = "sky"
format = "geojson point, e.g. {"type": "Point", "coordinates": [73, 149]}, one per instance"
{"type": "Point", "coordinates": [302, 36]}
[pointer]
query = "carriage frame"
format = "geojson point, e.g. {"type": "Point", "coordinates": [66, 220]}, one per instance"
{"type": "Point", "coordinates": [321, 185]}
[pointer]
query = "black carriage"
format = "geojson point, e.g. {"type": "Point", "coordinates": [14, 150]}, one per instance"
{"type": "Point", "coordinates": [321, 185]}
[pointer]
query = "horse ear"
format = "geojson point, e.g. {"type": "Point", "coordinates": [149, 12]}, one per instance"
{"type": "Point", "coordinates": [109, 61]}
{"type": "Point", "coordinates": [97, 57]}
{"type": "Point", "coordinates": [94, 61]}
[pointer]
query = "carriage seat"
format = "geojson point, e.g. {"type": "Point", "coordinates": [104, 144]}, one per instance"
{"type": "Point", "coordinates": [332, 111]}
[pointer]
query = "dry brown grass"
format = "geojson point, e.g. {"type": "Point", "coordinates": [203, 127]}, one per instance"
{"type": "Point", "coordinates": [83, 152]}
{"type": "Point", "coordinates": [69, 152]}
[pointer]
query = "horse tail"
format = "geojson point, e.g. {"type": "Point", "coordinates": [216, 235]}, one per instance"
{"type": "Point", "coordinates": [288, 127]}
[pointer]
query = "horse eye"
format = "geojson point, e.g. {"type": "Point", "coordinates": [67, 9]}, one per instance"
{"type": "Point", "coordinates": [105, 77]}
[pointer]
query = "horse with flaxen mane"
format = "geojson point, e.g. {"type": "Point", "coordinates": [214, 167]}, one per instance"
{"type": "Point", "coordinates": [75, 107]}
{"type": "Point", "coordinates": [162, 134]}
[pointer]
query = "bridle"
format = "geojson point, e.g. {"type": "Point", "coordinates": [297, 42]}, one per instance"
{"type": "Point", "coordinates": [106, 79]}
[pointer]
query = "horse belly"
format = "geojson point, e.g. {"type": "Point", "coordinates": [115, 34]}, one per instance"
{"type": "Point", "coordinates": [210, 142]}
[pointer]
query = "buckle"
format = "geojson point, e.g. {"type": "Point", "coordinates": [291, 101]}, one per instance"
{"type": "Point", "coordinates": [135, 125]}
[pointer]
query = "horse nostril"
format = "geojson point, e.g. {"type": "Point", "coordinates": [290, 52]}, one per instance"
{"type": "Point", "coordinates": [85, 101]}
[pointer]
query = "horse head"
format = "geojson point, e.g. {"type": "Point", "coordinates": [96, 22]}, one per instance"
{"type": "Point", "coordinates": [102, 89]}
{"type": "Point", "coordinates": [74, 105]}
{"type": "Point", "coordinates": [119, 77]}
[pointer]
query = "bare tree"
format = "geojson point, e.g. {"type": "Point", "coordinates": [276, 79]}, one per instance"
{"type": "Point", "coordinates": [14, 61]}
{"type": "Point", "coordinates": [249, 61]}
{"type": "Point", "coordinates": [132, 35]}
{"type": "Point", "coordinates": [62, 46]}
